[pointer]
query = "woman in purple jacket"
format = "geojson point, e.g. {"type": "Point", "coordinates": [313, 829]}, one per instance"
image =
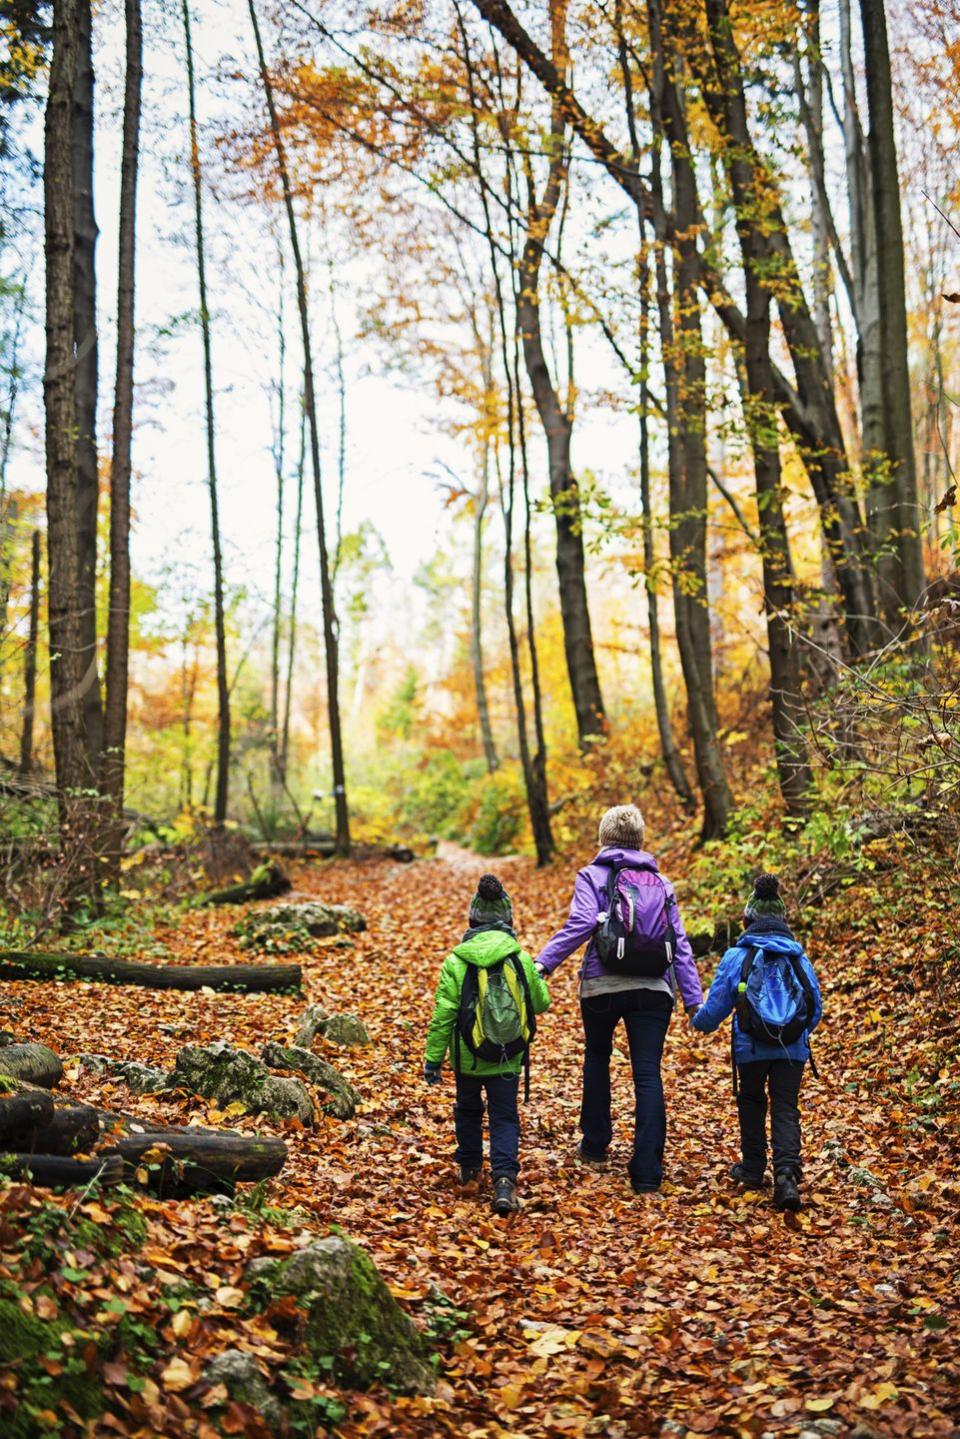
{"type": "Point", "coordinates": [644, 1004]}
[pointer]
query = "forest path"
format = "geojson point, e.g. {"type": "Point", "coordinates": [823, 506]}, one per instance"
{"type": "Point", "coordinates": [594, 1311]}
{"type": "Point", "coordinates": [698, 1310]}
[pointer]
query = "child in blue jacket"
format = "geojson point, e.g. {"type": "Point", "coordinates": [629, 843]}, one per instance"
{"type": "Point", "coordinates": [770, 982]}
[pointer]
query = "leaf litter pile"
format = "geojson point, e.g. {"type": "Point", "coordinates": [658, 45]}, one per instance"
{"type": "Point", "coordinates": [594, 1311]}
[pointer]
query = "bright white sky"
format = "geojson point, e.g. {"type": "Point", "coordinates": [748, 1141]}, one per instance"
{"type": "Point", "coordinates": [395, 442]}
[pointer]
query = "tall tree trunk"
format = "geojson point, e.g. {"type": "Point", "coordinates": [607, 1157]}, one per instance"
{"type": "Point", "coordinates": [294, 595]}
{"type": "Point", "coordinates": [77, 830]}
{"type": "Point", "coordinates": [557, 421]}
{"type": "Point", "coordinates": [341, 420]}
{"type": "Point", "coordinates": [118, 620]}
{"type": "Point", "coordinates": [8, 507]}
{"type": "Point", "coordinates": [86, 379]}
{"type": "Point", "coordinates": [903, 580]}
{"type": "Point", "coordinates": [188, 689]}
{"type": "Point", "coordinates": [223, 683]}
{"type": "Point", "coordinates": [539, 757]}
{"type": "Point", "coordinates": [476, 610]}
{"type": "Point", "coordinates": [30, 660]}
{"type": "Point", "coordinates": [534, 776]}
{"type": "Point", "coordinates": [865, 300]}
{"type": "Point", "coordinates": [13, 386]}
{"type": "Point", "coordinates": [810, 92]}
{"type": "Point", "coordinates": [278, 463]}
{"type": "Point", "coordinates": [330, 627]}
{"type": "Point", "coordinates": [668, 744]}
{"type": "Point", "coordinates": [681, 344]}
{"type": "Point", "coordinates": [750, 183]}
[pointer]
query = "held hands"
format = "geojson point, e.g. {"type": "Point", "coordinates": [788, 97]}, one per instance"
{"type": "Point", "coordinates": [692, 1010]}
{"type": "Point", "coordinates": [431, 1072]}
{"type": "Point", "coordinates": [539, 968]}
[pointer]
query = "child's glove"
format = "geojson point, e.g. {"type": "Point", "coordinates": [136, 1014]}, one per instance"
{"type": "Point", "coordinates": [431, 1072]}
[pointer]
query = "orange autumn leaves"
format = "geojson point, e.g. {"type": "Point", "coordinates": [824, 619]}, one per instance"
{"type": "Point", "coordinates": [593, 1311]}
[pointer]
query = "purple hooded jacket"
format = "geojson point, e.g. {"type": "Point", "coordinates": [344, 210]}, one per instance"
{"type": "Point", "coordinates": [590, 900]}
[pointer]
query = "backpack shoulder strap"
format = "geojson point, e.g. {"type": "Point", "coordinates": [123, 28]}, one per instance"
{"type": "Point", "coordinates": [750, 952]}
{"type": "Point", "coordinates": [804, 983]}
{"type": "Point", "coordinates": [521, 973]}
{"type": "Point", "coordinates": [740, 1005]}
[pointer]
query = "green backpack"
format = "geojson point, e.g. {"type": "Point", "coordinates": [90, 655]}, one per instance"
{"type": "Point", "coordinates": [495, 1019]}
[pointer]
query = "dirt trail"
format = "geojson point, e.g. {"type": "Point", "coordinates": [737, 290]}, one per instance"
{"type": "Point", "coordinates": [594, 1311]}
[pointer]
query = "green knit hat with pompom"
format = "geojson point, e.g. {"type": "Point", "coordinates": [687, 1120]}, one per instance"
{"type": "Point", "coordinates": [491, 903]}
{"type": "Point", "coordinates": [765, 901]}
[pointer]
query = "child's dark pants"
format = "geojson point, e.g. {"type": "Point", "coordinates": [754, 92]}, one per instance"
{"type": "Point", "coordinates": [502, 1091]}
{"type": "Point", "coordinates": [783, 1076]}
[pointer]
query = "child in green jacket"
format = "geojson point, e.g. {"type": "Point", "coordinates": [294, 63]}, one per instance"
{"type": "Point", "coordinates": [504, 991]}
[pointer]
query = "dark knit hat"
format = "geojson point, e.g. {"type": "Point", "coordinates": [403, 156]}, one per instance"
{"type": "Point", "coordinates": [765, 902]}
{"type": "Point", "coordinates": [490, 904]}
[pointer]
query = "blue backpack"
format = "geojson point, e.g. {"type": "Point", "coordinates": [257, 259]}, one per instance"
{"type": "Point", "coordinates": [775, 1003]}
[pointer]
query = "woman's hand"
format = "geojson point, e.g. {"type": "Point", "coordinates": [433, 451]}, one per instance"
{"type": "Point", "coordinates": [692, 1010]}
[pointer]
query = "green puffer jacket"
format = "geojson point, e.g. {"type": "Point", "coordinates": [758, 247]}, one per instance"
{"type": "Point", "coordinates": [485, 948]}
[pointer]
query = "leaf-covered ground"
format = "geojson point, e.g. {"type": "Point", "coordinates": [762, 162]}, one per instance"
{"type": "Point", "coordinates": [593, 1311]}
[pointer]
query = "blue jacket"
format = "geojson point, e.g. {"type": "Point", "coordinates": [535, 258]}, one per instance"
{"type": "Point", "coordinates": [775, 942]}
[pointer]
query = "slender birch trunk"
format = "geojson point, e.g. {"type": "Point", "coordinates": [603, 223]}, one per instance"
{"type": "Point", "coordinates": [30, 660]}
{"type": "Point", "coordinates": [86, 379]}
{"type": "Point", "coordinates": [903, 579]}
{"type": "Point", "coordinates": [330, 627]}
{"type": "Point", "coordinates": [118, 620]}
{"type": "Point", "coordinates": [294, 595]}
{"type": "Point", "coordinates": [223, 683]}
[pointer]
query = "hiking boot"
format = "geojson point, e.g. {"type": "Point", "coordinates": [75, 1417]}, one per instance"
{"type": "Point", "coordinates": [749, 1181]}
{"type": "Point", "coordinates": [505, 1199]}
{"type": "Point", "coordinates": [468, 1174]}
{"type": "Point", "coordinates": [786, 1195]}
{"type": "Point", "coordinates": [592, 1161]}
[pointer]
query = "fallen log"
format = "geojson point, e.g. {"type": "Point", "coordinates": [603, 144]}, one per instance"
{"type": "Point", "coordinates": [22, 1116]}
{"type": "Point", "coordinates": [72, 1129]}
{"type": "Point", "coordinates": [266, 882]}
{"type": "Point", "coordinates": [327, 849]}
{"type": "Point", "coordinates": [196, 1161]}
{"type": "Point", "coordinates": [52, 1172]}
{"type": "Point", "coordinates": [33, 1063]}
{"type": "Point", "coordinates": [252, 978]}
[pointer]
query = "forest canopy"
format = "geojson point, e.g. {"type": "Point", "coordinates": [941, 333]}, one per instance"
{"type": "Point", "coordinates": [466, 397]}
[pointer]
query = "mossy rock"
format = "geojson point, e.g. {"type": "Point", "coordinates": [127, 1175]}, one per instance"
{"type": "Point", "coordinates": [24, 1341]}
{"type": "Point", "coordinates": [352, 1321]}
{"type": "Point", "coordinates": [141, 1078]}
{"type": "Point", "coordinates": [344, 1029]}
{"type": "Point", "coordinates": [240, 1375]}
{"type": "Point", "coordinates": [220, 1072]}
{"type": "Point", "coordinates": [341, 1098]}
{"type": "Point", "coordinates": [292, 926]}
